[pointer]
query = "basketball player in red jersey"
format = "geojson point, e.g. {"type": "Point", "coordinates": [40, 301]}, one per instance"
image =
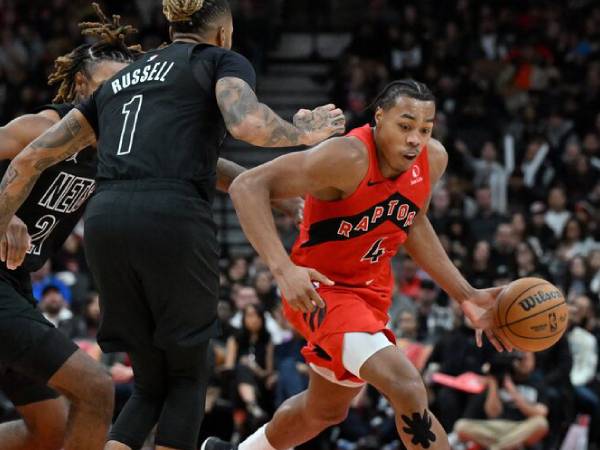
{"type": "Point", "coordinates": [366, 194]}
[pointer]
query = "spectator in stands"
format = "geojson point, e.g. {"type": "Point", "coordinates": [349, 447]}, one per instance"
{"type": "Point", "coordinates": [86, 325]}
{"type": "Point", "coordinates": [54, 306]}
{"type": "Point", "coordinates": [538, 231]}
{"type": "Point", "coordinates": [433, 319]}
{"type": "Point", "coordinates": [577, 278]}
{"type": "Point", "coordinates": [527, 263]}
{"type": "Point", "coordinates": [487, 172]}
{"type": "Point", "coordinates": [584, 350]}
{"type": "Point", "coordinates": [503, 250]}
{"type": "Point", "coordinates": [510, 413]}
{"type": "Point", "coordinates": [250, 356]}
{"type": "Point", "coordinates": [486, 220]}
{"type": "Point", "coordinates": [481, 272]}
{"type": "Point", "coordinates": [265, 289]}
{"type": "Point", "coordinates": [553, 369]}
{"type": "Point", "coordinates": [454, 354]}
{"type": "Point", "coordinates": [406, 329]}
{"type": "Point", "coordinates": [557, 215]}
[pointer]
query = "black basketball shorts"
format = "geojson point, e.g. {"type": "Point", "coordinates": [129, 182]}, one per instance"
{"type": "Point", "coordinates": [31, 348]}
{"type": "Point", "coordinates": [152, 248]}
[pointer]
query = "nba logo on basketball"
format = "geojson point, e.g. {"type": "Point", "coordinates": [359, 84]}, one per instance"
{"type": "Point", "coordinates": [553, 322]}
{"type": "Point", "coordinates": [416, 175]}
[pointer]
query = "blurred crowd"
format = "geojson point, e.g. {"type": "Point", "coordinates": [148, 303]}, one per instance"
{"type": "Point", "coordinates": [518, 89]}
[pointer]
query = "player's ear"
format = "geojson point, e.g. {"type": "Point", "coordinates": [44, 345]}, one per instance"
{"type": "Point", "coordinates": [222, 37]}
{"type": "Point", "coordinates": [81, 84]}
{"type": "Point", "coordinates": [378, 115]}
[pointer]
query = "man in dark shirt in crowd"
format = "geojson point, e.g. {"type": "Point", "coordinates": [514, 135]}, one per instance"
{"type": "Point", "coordinates": [512, 411]}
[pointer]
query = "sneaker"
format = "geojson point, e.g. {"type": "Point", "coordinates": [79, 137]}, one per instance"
{"type": "Point", "coordinates": [213, 443]}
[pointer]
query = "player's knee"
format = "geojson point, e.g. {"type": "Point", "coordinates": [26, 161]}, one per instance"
{"type": "Point", "coordinates": [98, 390]}
{"type": "Point", "coordinates": [409, 392]}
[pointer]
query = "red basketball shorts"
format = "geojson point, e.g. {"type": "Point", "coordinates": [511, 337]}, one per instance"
{"type": "Point", "coordinates": [347, 310]}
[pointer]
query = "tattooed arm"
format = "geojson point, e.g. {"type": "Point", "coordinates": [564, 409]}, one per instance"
{"type": "Point", "coordinates": [251, 121]}
{"type": "Point", "coordinates": [62, 140]}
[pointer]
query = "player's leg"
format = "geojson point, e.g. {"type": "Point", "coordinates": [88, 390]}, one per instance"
{"type": "Point", "coordinates": [188, 372]}
{"type": "Point", "coordinates": [394, 376]}
{"type": "Point", "coordinates": [141, 412]}
{"type": "Point", "coordinates": [43, 413]}
{"type": "Point", "coordinates": [32, 347]}
{"type": "Point", "coordinates": [180, 279]}
{"type": "Point", "coordinates": [304, 416]}
{"type": "Point", "coordinates": [90, 391]}
{"type": "Point", "coordinates": [300, 418]}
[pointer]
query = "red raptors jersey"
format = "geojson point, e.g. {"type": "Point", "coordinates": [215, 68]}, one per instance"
{"type": "Point", "coordinates": [352, 240]}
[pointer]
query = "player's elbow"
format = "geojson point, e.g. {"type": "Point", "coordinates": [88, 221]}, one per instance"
{"type": "Point", "coordinates": [247, 130]}
{"type": "Point", "coordinates": [247, 187]}
{"type": "Point", "coordinates": [26, 162]}
{"type": "Point", "coordinates": [240, 188]}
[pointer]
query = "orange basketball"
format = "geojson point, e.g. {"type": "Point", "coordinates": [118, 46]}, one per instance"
{"type": "Point", "coordinates": [531, 314]}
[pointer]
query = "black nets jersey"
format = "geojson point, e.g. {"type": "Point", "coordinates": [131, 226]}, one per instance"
{"type": "Point", "coordinates": [159, 119]}
{"type": "Point", "coordinates": [56, 201]}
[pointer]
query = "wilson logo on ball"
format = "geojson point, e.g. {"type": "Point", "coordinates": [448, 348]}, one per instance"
{"type": "Point", "coordinates": [536, 299]}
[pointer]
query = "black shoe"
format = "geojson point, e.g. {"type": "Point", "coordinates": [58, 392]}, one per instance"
{"type": "Point", "coordinates": [213, 443]}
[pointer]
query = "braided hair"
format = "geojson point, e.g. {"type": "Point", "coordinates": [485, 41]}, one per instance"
{"type": "Point", "coordinates": [111, 46]}
{"type": "Point", "coordinates": [194, 16]}
{"type": "Point", "coordinates": [402, 88]}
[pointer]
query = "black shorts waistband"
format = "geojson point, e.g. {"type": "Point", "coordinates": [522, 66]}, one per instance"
{"type": "Point", "coordinates": [151, 184]}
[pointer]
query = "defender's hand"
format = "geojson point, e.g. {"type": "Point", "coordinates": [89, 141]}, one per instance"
{"type": "Point", "coordinates": [479, 308]}
{"type": "Point", "coordinates": [291, 207]}
{"type": "Point", "coordinates": [296, 284]}
{"type": "Point", "coordinates": [320, 123]}
{"type": "Point", "coordinates": [14, 243]}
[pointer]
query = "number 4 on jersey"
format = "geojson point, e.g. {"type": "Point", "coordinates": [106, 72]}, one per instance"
{"type": "Point", "coordinates": [375, 252]}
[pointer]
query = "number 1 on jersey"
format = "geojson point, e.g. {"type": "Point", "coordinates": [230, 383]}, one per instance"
{"type": "Point", "coordinates": [375, 252]}
{"type": "Point", "coordinates": [129, 124]}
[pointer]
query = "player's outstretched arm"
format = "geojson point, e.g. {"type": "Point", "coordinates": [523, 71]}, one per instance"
{"type": "Point", "coordinates": [425, 248]}
{"type": "Point", "coordinates": [336, 165]}
{"type": "Point", "coordinates": [62, 140]}
{"type": "Point", "coordinates": [251, 121]}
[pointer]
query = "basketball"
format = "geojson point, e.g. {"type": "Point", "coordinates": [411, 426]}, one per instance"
{"type": "Point", "coordinates": [531, 314]}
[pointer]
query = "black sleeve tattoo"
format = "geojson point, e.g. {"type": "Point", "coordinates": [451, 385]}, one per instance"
{"type": "Point", "coordinates": [58, 143]}
{"type": "Point", "coordinates": [239, 104]}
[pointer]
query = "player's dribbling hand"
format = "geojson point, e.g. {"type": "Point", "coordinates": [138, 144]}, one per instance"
{"type": "Point", "coordinates": [15, 243]}
{"type": "Point", "coordinates": [320, 123]}
{"type": "Point", "coordinates": [297, 287]}
{"type": "Point", "coordinates": [479, 309]}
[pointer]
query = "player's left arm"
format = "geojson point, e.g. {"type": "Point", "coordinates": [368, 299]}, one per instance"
{"type": "Point", "coordinates": [425, 248]}
{"type": "Point", "coordinates": [423, 244]}
{"type": "Point", "coordinates": [65, 138]}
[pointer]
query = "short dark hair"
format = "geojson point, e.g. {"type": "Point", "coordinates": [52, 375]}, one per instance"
{"type": "Point", "coordinates": [402, 88]}
{"type": "Point", "coordinates": [50, 288]}
{"type": "Point", "coordinates": [194, 16]}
